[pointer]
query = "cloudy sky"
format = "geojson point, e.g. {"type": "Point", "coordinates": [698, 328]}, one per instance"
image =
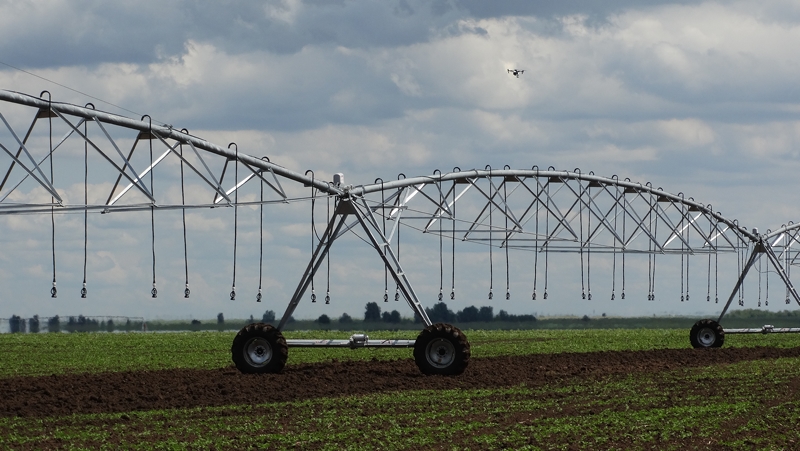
{"type": "Point", "coordinates": [699, 98]}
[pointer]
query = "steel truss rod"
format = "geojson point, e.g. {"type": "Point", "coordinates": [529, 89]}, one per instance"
{"type": "Point", "coordinates": [138, 181]}
{"type": "Point", "coordinates": [491, 203]}
{"type": "Point", "coordinates": [543, 174]}
{"type": "Point", "coordinates": [546, 205]}
{"type": "Point", "coordinates": [783, 239]}
{"type": "Point", "coordinates": [678, 229]}
{"type": "Point", "coordinates": [397, 211]}
{"type": "Point", "coordinates": [215, 185]}
{"type": "Point", "coordinates": [761, 247]}
{"type": "Point", "coordinates": [766, 329]}
{"type": "Point", "coordinates": [40, 114]}
{"type": "Point", "coordinates": [255, 174]}
{"type": "Point", "coordinates": [170, 149]}
{"type": "Point", "coordinates": [565, 206]}
{"type": "Point", "coordinates": [355, 341]}
{"type": "Point", "coordinates": [603, 220]}
{"type": "Point", "coordinates": [19, 152]}
{"type": "Point", "coordinates": [390, 260]}
{"type": "Point", "coordinates": [346, 207]}
{"type": "Point", "coordinates": [138, 178]}
{"type": "Point", "coordinates": [43, 180]}
{"type": "Point", "coordinates": [323, 247]}
{"type": "Point", "coordinates": [168, 132]}
{"type": "Point", "coordinates": [49, 155]}
{"type": "Point", "coordinates": [29, 209]}
{"type": "Point", "coordinates": [782, 230]}
{"type": "Point", "coordinates": [776, 263]}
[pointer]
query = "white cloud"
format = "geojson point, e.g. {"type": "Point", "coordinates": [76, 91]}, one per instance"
{"type": "Point", "coordinates": [687, 132]}
{"type": "Point", "coordinates": [706, 51]}
{"type": "Point", "coordinates": [283, 10]}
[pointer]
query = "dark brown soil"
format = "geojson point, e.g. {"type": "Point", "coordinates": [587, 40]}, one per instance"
{"type": "Point", "coordinates": [147, 390]}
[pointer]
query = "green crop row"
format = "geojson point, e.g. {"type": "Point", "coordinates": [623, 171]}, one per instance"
{"type": "Point", "coordinates": [739, 406]}
{"type": "Point", "coordinates": [44, 354]}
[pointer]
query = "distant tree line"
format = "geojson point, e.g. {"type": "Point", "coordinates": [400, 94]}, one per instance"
{"type": "Point", "coordinates": [269, 317]}
{"type": "Point", "coordinates": [758, 313]}
{"type": "Point", "coordinates": [372, 314]}
{"type": "Point", "coordinates": [80, 323]}
{"type": "Point", "coordinates": [439, 313]}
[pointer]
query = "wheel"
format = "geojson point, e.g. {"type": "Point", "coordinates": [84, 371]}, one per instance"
{"type": "Point", "coordinates": [707, 333]}
{"type": "Point", "coordinates": [259, 348]}
{"type": "Point", "coordinates": [441, 349]}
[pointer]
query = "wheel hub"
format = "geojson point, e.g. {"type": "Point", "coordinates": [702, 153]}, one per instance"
{"type": "Point", "coordinates": [258, 352]}
{"type": "Point", "coordinates": [440, 353]}
{"type": "Point", "coordinates": [706, 337]}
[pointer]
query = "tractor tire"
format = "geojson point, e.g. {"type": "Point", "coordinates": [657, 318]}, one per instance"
{"type": "Point", "coordinates": [707, 333]}
{"type": "Point", "coordinates": [442, 349]}
{"type": "Point", "coordinates": [259, 348]}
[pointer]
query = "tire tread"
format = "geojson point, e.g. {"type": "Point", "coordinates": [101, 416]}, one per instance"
{"type": "Point", "coordinates": [280, 350]}
{"type": "Point", "coordinates": [710, 324]}
{"type": "Point", "coordinates": [447, 331]}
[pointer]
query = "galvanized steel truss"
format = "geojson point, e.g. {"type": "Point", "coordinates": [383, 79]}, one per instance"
{"type": "Point", "coordinates": [534, 210]}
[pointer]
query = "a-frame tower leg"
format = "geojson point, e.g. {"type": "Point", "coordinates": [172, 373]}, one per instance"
{"type": "Point", "coordinates": [345, 208]}
{"type": "Point", "coordinates": [760, 247]}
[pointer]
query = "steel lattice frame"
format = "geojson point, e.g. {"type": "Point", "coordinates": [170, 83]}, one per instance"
{"type": "Point", "coordinates": [535, 210]}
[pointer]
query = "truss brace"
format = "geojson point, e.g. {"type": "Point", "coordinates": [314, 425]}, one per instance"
{"type": "Point", "coordinates": [761, 247]}
{"type": "Point", "coordinates": [347, 206]}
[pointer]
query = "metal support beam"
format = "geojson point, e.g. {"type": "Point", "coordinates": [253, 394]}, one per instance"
{"type": "Point", "coordinates": [168, 132]}
{"type": "Point", "coordinates": [761, 247]}
{"type": "Point", "coordinates": [355, 341]}
{"type": "Point", "coordinates": [345, 208]}
{"type": "Point", "coordinates": [754, 256]}
{"type": "Point", "coordinates": [323, 247]}
{"type": "Point", "coordinates": [765, 329]}
{"type": "Point", "coordinates": [391, 262]}
{"type": "Point", "coordinates": [779, 268]}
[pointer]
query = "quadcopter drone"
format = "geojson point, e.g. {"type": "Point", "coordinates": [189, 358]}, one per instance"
{"type": "Point", "coordinates": [515, 72]}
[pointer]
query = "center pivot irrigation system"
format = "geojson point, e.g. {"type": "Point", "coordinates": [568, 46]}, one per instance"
{"type": "Point", "coordinates": [538, 211]}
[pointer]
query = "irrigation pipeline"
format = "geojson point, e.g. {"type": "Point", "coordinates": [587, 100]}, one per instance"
{"type": "Point", "coordinates": [166, 132]}
{"type": "Point", "coordinates": [475, 174]}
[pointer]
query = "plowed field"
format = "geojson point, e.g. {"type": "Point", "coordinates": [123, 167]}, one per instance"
{"type": "Point", "coordinates": [166, 389]}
